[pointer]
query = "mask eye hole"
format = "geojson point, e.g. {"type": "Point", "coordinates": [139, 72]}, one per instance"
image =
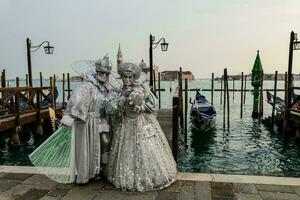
{"type": "Point", "coordinates": [103, 73]}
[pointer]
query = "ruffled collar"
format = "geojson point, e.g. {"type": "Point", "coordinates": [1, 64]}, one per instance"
{"type": "Point", "coordinates": [92, 79]}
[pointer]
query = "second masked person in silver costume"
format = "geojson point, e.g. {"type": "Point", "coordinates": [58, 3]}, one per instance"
{"type": "Point", "coordinates": [140, 156]}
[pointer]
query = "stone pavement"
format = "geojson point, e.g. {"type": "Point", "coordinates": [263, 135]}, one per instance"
{"type": "Point", "coordinates": [29, 186]}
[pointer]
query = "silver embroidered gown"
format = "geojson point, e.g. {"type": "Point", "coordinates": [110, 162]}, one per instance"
{"type": "Point", "coordinates": [140, 156]}
{"type": "Point", "coordinates": [86, 106]}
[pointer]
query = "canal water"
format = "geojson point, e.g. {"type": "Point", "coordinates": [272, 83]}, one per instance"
{"type": "Point", "coordinates": [248, 147]}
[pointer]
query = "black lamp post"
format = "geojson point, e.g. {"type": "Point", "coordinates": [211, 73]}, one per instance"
{"type": "Point", "coordinates": [153, 45]}
{"type": "Point", "coordinates": [48, 50]}
{"type": "Point", "coordinates": [294, 45]}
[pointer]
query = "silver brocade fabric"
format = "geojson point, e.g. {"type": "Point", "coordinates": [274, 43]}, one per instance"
{"type": "Point", "coordinates": [86, 107]}
{"type": "Point", "coordinates": [140, 156]}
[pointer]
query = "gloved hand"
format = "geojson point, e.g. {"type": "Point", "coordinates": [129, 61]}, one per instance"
{"type": "Point", "coordinates": [139, 109]}
{"type": "Point", "coordinates": [67, 120]}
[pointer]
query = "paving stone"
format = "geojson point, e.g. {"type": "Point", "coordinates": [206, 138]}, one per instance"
{"type": "Point", "coordinates": [33, 194]}
{"type": "Point", "coordinates": [41, 182]}
{"type": "Point", "coordinates": [80, 193]}
{"type": "Point", "coordinates": [187, 190]}
{"type": "Point", "coordinates": [139, 195]}
{"type": "Point", "coordinates": [109, 195]}
{"type": "Point", "coordinates": [278, 196]}
{"type": "Point", "coordinates": [218, 193]}
{"type": "Point", "coordinates": [98, 184]}
{"type": "Point", "coordinates": [168, 196]}
{"type": "Point", "coordinates": [49, 198]}
{"type": "Point", "coordinates": [296, 189]}
{"type": "Point", "coordinates": [59, 192]}
{"type": "Point", "coordinates": [109, 186]}
{"type": "Point", "coordinates": [224, 198]}
{"type": "Point", "coordinates": [221, 185]}
{"type": "Point", "coordinates": [19, 190]}
{"type": "Point", "coordinates": [6, 184]}
{"type": "Point", "coordinates": [274, 188]}
{"type": "Point", "coordinates": [2, 174]}
{"type": "Point", "coordinates": [187, 183]}
{"type": "Point", "coordinates": [245, 188]}
{"type": "Point", "coordinates": [244, 196]}
{"type": "Point", "coordinates": [64, 186]}
{"type": "Point", "coordinates": [202, 190]}
{"type": "Point", "coordinates": [175, 187]}
{"type": "Point", "coordinates": [6, 197]}
{"type": "Point", "coordinates": [20, 177]}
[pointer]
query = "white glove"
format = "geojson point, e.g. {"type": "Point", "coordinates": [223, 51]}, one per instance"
{"type": "Point", "coordinates": [139, 109]}
{"type": "Point", "coordinates": [67, 120]}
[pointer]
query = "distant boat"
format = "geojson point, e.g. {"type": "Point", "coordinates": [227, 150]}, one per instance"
{"type": "Point", "coordinates": [203, 114]}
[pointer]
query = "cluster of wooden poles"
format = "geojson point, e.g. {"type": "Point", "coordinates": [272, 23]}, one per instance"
{"type": "Point", "coordinates": [180, 102]}
{"type": "Point", "coordinates": [52, 84]}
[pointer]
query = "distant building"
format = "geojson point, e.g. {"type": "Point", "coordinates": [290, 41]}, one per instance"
{"type": "Point", "coordinates": [173, 75]}
{"type": "Point", "coordinates": [119, 56]}
{"type": "Point", "coordinates": [76, 78]}
{"type": "Point", "coordinates": [297, 77]}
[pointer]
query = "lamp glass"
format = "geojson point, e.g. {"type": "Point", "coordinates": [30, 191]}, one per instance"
{"type": "Point", "coordinates": [49, 49]}
{"type": "Point", "coordinates": [164, 46]}
{"type": "Point", "coordinates": [296, 45]}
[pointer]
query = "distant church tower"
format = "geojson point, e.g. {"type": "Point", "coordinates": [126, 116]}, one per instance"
{"type": "Point", "coordinates": [119, 56]}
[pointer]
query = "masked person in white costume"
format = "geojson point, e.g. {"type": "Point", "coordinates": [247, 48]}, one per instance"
{"type": "Point", "coordinates": [87, 131]}
{"type": "Point", "coordinates": [140, 156]}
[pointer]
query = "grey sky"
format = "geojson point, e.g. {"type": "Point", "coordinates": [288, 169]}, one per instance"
{"type": "Point", "coordinates": [204, 36]}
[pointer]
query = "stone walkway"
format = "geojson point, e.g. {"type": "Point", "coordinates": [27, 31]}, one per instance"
{"type": "Point", "coordinates": [28, 186]}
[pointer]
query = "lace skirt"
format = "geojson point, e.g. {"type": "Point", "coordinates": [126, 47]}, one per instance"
{"type": "Point", "coordinates": [140, 157]}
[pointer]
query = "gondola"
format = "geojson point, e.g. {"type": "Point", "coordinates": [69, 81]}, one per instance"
{"type": "Point", "coordinates": [203, 114]}
{"type": "Point", "coordinates": [279, 103]}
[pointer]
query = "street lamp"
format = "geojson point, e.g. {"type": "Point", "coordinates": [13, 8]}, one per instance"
{"type": "Point", "coordinates": [153, 45]}
{"type": "Point", "coordinates": [30, 48]}
{"type": "Point", "coordinates": [294, 45]}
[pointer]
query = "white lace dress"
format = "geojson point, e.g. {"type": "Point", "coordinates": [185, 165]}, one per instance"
{"type": "Point", "coordinates": [140, 156]}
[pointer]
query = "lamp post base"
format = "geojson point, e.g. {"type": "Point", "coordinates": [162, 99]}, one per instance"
{"type": "Point", "coordinates": [255, 114]}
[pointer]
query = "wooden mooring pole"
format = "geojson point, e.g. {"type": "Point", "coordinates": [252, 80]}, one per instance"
{"type": "Point", "coordinates": [261, 102]}
{"type": "Point", "coordinates": [221, 90]}
{"type": "Point", "coordinates": [245, 88]}
{"type": "Point", "coordinates": [242, 79]}
{"type": "Point", "coordinates": [54, 93]}
{"type": "Point", "coordinates": [26, 80]}
{"type": "Point", "coordinates": [69, 89]}
{"type": "Point", "coordinates": [185, 109]}
{"type": "Point", "coordinates": [180, 99]}
{"type": "Point", "coordinates": [39, 127]}
{"type": "Point", "coordinates": [3, 79]}
{"type": "Point", "coordinates": [224, 102]}
{"type": "Point", "coordinates": [227, 95]}
{"type": "Point", "coordinates": [212, 88]}
{"type": "Point", "coordinates": [41, 79]}
{"type": "Point", "coordinates": [233, 89]}
{"type": "Point", "coordinates": [14, 139]}
{"type": "Point", "coordinates": [17, 82]}
{"type": "Point", "coordinates": [63, 91]}
{"type": "Point", "coordinates": [159, 97]}
{"type": "Point", "coordinates": [274, 100]}
{"type": "Point", "coordinates": [285, 123]}
{"type": "Point", "coordinates": [51, 89]}
{"type": "Point", "coordinates": [175, 114]}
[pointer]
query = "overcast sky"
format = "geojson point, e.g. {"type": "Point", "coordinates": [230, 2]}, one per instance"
{"type": "Point", "coordinates": [204, 35]}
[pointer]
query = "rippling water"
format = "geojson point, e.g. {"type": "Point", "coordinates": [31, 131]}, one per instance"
{"type": "Point", "coordinates": [246, 148]}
